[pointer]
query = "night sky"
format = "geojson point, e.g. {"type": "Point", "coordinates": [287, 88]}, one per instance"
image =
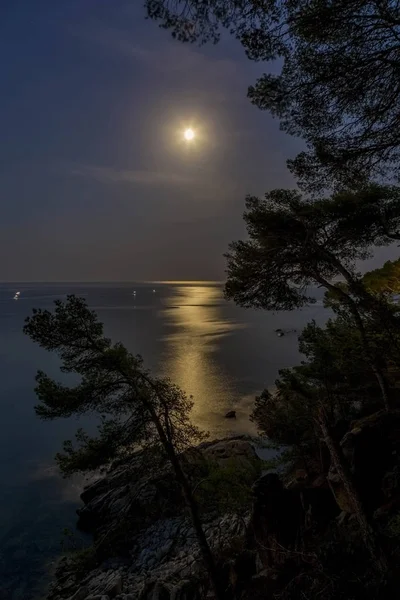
{"type": "Point", "coordinates": [96, 180]}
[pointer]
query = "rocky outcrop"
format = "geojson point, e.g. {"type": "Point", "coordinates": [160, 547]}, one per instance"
{"type": "Point", "coordinates": [276, 515]}
{"type": "Point", "coordinates": [372, 450]}
{"type": "Point", "coordinates": [231, 414]}
{"type": "Point", "coordinates": [160, 559]}
{"type": "Point", "coordinates": [267, 549]}
{"type": "Point", "coordinates": [282, 517]}
{"type": "Point", "coordinates": [237, 450]}
{"type": "Point", "coordinates": [134, 491]}
{"type": "Point", "coordinates": [163, 557]}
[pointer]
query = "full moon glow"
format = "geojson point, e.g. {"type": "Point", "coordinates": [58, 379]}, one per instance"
{"type": "Point", "coordinates": [188, 134]}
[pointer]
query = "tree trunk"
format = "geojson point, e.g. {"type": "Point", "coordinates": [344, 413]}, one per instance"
{"type": "Point", "coordinates": [383, 385]}
{"type": "Point", "coordinates": [345, 476]}
{"type": "Point", "coordinates": [191, 505]}
{"type": "Point", "coordinates": [197, 525]}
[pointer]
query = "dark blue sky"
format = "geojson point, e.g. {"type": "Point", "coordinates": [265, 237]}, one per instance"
{"type": "Point", "coordinates": [96, 182]}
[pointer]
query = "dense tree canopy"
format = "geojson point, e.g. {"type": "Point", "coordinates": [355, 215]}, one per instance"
{"type": "Point", "coordinates": [385, 280]}
{"type": "Point", "coordinates": [326, 376]}
{"type": "Point", "coordinates": [294, 242]}
{"type": "Point", "coordinates": [338, 87]}
{"type": "Point", "coordinates": [286, 415]}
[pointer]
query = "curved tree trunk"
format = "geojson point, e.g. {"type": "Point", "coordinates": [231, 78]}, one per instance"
{"type": "Point", "coordinates": [339, 461]}
{"type": "Point", "coordinates": [344, 473]}
{"type": "Point", "coordinates": [191, 505]}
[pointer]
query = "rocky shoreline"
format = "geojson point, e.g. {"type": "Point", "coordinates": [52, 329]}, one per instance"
{"type": "Point", "coordinates": [146, 548]}
{"type": "Point", "coordinates": [163, 552]}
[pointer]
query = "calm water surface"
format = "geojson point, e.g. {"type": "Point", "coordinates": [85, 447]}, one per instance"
{"type": "Point", "coordinates": [219, 353]}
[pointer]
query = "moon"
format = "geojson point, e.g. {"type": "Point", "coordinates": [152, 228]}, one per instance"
{"type": "Point", "coordinates": [188, 134]}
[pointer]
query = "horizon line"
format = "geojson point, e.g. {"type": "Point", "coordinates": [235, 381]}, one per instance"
{"type": "Point", "coordinates": [127, 281]}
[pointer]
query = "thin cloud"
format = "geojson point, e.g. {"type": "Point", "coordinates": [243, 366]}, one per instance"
{"type": "Point", "coordinates": [176, 59]}
{"type": "Point", "coordinates": [139, 177]}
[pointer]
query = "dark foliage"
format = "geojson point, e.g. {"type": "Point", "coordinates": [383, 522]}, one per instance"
{"type": "Point", "coordinates": [114, 386]}
{"type": "Point", "coordinates": [295, 242]}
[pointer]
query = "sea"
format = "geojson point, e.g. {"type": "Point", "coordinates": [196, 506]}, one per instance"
{"type": "Point", "coordinates": [219, 353]}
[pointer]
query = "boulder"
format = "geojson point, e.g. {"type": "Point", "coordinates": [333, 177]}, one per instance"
{"type": "Point", "coordinates": [318, 504]}
{"type": "Point", "coordinates": [231, 449]}
{"type": "Point", "coordinates": [276, 518]}
{"type": "Point", "coordinates": [243, 568]}
{"type": "Point", "coordinates": [282, 517]}
{"type": "Point", "coordinates": [372, 450]}
{"type": "Point", "coordinates": [231, 414]}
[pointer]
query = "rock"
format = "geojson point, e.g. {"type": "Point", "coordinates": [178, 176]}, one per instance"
{"type": "Point", "coordinates": [301, 475]}
{"type": "Point", "coordinates": [319, 504]}
{"type": "Point", "coordinates": [113, 586]}
{"type": "Point", "coordinates": [243, 569]}
{"type": "Point", "coordinates": [186, 590]}
{"type": "Point", "coordinates": [276, 517]}
{"type": "Point", "coordinates": [114, 563]}
{"type": "Point", "coordinates": [163, 546]}
{"type": "Point", "coordinates": [106, 584]}
{"type": "Point", "coordinates": [371, 448]}
{"type": "Point", "coordinates": [281, 516]}
{"type": "Point", "coordinates": [128, 489]}
{"type": "Point", "coordinates": [80, 594]}
{"type": "Point", "coordinates": [268, 483]}
{"type": "Point", "coordinates": [231, 449]}
{"type": "Point", "coordinates": [388, 509]}
{"type": "Point", "coordinates": [69, 584]}
{"type": "Point", "coordinates": [155, 591]}
{"type": "Point", "coordinates": [231, 414]}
